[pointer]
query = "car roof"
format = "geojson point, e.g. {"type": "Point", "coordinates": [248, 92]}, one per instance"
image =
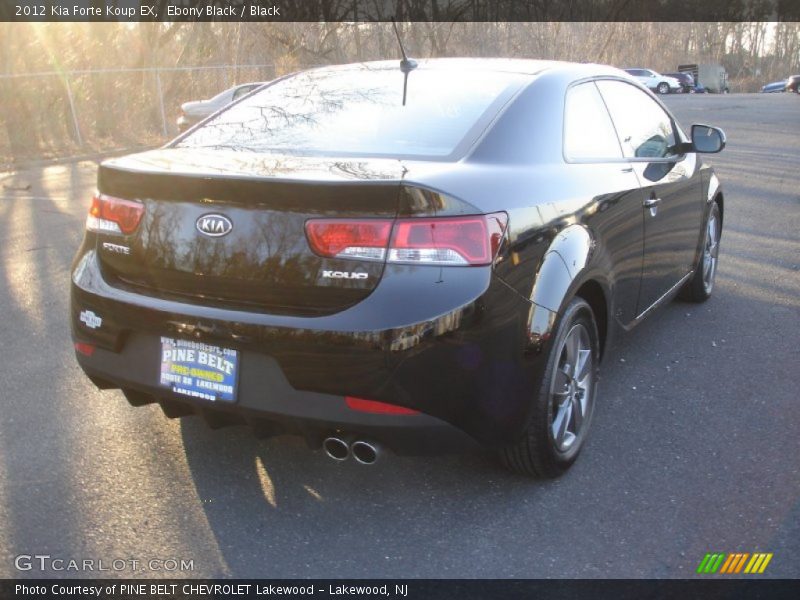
{"type": "Point", "coordinates": [509, 65]}
{"type": "Point", "coordinates": [524, 67]}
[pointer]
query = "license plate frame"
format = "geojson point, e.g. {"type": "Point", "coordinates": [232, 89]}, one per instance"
{"type": "Point", "coordinates": [199, 370]}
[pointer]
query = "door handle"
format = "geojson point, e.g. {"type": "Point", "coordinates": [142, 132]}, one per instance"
{"type": "Point", "coordinates": [652, 202]}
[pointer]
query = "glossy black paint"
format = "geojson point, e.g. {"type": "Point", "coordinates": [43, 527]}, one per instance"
{"type": "Point", "coordinates": [465, 345]}
{"type": "Point", "coordinates": [264, 263]}
{"type": "Point", "coordinates": [670, 227]}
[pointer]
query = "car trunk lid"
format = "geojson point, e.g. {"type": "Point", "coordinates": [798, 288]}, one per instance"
{"type": "Point", "coordinates": [228, 229]}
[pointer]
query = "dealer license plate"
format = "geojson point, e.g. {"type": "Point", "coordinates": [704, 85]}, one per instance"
{"type": "Point", "coordinates": [199, 370]}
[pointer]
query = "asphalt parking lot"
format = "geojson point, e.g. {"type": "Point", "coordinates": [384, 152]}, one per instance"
{"type": "Point", "coordinates": [694, 448]}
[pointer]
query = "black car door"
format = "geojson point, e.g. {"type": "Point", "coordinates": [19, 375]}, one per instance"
{"type": "Point", "coordinates": [592, 150]}
{"type": "Point", "coordinates": [671, 187]}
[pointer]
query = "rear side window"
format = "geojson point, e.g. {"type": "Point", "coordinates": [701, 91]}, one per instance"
{"type": "Point", "coordinates": [360, 112]}
{"type": "Point", "coordinates": [645, 129]}
{"type": "Point", "coordinates": [588, 132]}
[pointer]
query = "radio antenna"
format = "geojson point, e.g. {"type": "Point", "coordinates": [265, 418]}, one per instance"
{"type": "Point", "coordinates": [407, 64]}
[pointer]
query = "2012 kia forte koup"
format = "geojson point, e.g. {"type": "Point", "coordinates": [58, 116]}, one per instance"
{"type": "Point", "coordinates": [383, 254]}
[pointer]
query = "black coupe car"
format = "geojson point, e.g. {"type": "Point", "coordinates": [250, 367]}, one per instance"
{"type": "Point", "coordinates": [383, 254]}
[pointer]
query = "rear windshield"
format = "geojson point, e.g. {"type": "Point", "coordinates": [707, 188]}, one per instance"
{"type": "Point", "coordinates": [360, 112]}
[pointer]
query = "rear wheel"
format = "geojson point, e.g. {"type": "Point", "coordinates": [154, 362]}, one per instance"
{"type": "Point", "coordinates": [663, 88]}
{"type": "Point", "coordinates": [700, 286]}
{"type": "Point", "coordinates": [564, 402]}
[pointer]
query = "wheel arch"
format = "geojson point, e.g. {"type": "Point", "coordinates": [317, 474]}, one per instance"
{"type": "Point", "coordinates": [593, 293]}
{"type": "Point", "coordinates": [567, 271]}
{"type": "Point", "coordinates": [713, 193]}
{"type": "Point", "coordinates": [567, 256]}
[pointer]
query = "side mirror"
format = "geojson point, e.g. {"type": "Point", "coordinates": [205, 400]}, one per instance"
{"type": "Point", "coordinates": [707, 139]}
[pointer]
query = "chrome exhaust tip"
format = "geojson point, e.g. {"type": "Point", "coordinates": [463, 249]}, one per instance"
{"type": "Point", "coordinates": [336, 448]}
{"type": "Point", "coordinates": [365, 453]}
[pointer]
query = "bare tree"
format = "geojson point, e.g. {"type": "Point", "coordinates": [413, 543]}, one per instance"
{"type": "Point", "coordinates": [123, 109]}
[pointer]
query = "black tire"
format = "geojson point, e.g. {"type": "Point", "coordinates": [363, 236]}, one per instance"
{"type": "Point", "coordinates": [701, 285]}
{"type": "Point", "coordinates": [538, 453]}
{"type": "Point", "coordinates": [662, 88]}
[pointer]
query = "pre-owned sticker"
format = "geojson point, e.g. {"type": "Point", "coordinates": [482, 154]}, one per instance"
{"type": "Point", "coordinates": [91, 320]}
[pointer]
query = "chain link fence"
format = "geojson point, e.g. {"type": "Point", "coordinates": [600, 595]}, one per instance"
{"type": "Point", "coordinates": [57, 114]}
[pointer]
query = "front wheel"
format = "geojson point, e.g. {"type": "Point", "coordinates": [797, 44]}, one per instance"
{"type": "Point", "coordinates": [700, 286]}
{"type": "Point", "coordinates": [564, 401]}
{"type": "Point", "coordinates": [663, 88]}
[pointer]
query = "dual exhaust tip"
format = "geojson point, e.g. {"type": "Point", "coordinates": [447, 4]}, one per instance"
{"type": "Point", "coordinates": [339, 449]}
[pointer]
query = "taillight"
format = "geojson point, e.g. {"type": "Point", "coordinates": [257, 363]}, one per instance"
{"type": "Point", "coordinates": [345, 238]}
{"type": "Point", "coordinates": [467, 241]}
{"type": "Point", "coordinates": [114, 215]}
{"type": "Point", "coordinates": [442, 241]}
{"type": "Point", "coordinates": [377, 408]}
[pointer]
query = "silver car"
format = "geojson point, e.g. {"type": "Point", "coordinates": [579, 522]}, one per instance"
{"type": "Point", "coordinates": [655, 81]}
{"type": "Point", "coordinates": [195, 111]}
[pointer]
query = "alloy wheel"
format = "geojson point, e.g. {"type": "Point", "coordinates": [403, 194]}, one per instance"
{"type": "Point", "coordinates": [710, 252]}
{"type": "Point", "coordinates": [571, 393]}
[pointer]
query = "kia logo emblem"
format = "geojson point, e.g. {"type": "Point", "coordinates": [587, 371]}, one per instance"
{"type": "Point", "coordinates": [214, 225]}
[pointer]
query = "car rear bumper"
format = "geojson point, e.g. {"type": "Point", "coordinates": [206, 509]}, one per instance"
{"type": "Point", "coordinates": [267, 402]}
{"type": "Point", "coordinates": [465, 354]}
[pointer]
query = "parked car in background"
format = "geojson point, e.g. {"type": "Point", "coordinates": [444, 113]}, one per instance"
{"type": "Point", "coordinates": [774, 87]}
{"type": "Point", "coordinates": [378, 254]}
{"type": "Point", "coordinates": [195, 111]}
{"type": "Point", "coordinates": [791, 84]}
{"type": "Point", "coordinates": [713, 77]}
{"type": "Point", "coordinates": [655, 81]}
{"type": "Point", "coordinates": [686, 80]}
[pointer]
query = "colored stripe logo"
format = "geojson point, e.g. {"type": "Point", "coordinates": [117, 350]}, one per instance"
{"type": "Point", "coordinates": [734, 563]}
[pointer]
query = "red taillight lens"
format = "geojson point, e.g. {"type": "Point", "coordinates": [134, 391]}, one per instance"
{"type": "Point", "coordinates": [114, 215]}
{"type": "Point", "coordinates": [377, 408]}
{"type": "Point", "coordinates": [344, 238]}
{"type": "Point", "coordinates": [84, 348]}
{"type": "Point", "coordinates": [467, 241]}
{"type": "Point", "coordinates": [460, 240]}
